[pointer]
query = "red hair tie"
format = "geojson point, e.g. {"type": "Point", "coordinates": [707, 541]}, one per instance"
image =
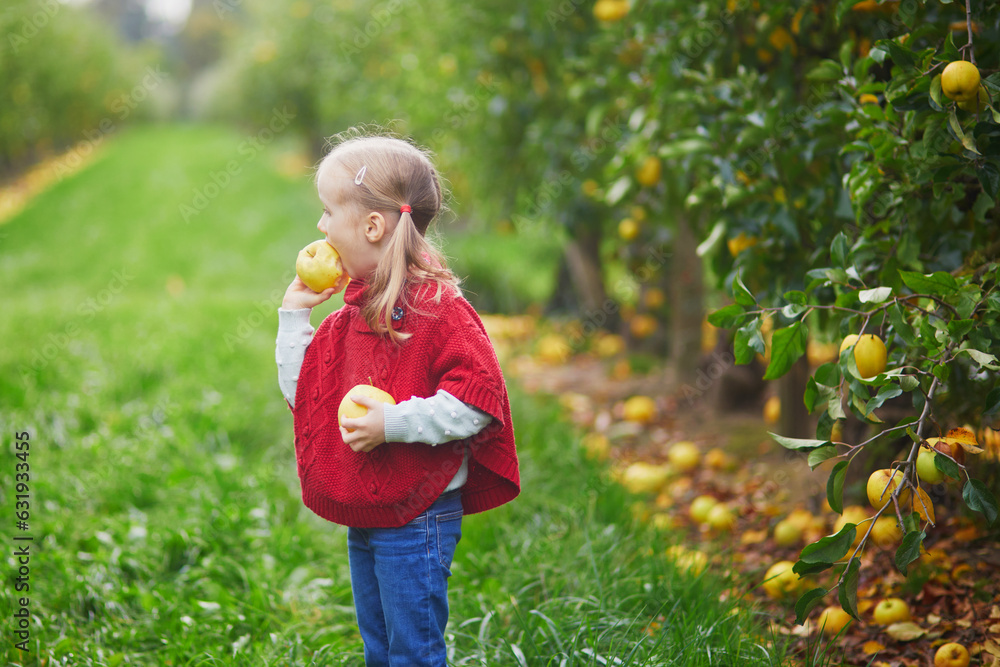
{"type": "Point", "coordinates": [405, 208]}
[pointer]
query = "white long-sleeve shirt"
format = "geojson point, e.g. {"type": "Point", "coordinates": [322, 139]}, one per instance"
{"type": "Point", "coordinates": [432, 420]}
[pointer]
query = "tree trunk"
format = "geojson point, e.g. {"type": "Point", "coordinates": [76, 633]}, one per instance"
{"type": "Point", "coordinates": [791, 389]}
{"type": "Point", "coordinates": [583, 261]}
{"type": "Point", "coordinates": [686, 304]}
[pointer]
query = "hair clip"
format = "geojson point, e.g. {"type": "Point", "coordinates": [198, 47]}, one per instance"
{"type": "Point", "coordinates": [361, 175]}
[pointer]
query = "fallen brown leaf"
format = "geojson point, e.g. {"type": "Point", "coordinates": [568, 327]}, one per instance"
{"type": "Point", "coordinates": [906, 631]}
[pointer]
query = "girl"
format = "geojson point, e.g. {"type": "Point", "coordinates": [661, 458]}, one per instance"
{"type": "Point", "coordinates": [401, 476]}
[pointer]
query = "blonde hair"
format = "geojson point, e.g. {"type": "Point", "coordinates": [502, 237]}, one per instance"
{"type": "Point", "coordinates": [390, 173]}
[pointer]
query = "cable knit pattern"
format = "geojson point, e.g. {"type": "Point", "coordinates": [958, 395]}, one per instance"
{"type": "Point", "coordinates": [392, 484]}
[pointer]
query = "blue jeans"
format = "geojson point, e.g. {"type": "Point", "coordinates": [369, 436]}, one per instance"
{"type": "Point", "coordinates": [399, 577]}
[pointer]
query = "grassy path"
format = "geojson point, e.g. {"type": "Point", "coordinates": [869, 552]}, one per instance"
{"type": "Point", "coordinates": [137, 352]}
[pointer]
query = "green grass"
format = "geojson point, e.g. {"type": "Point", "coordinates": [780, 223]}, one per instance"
{"type": "Point", "coordinates": [165, 509]}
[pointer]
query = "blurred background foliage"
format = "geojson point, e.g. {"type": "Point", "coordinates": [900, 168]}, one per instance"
{"type": "Point", "coordinates": [629, 159]}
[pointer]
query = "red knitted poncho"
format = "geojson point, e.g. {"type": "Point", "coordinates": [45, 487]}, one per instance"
{"type": "Point", "coordinates": [395, 482]}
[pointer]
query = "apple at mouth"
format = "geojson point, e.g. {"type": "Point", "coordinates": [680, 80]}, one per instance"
{"type": "Point", "coordinates": [319, 266]}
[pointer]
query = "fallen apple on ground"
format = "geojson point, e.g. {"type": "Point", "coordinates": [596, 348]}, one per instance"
{"type": "Point", "coordinates": [832, 620]}
{"type": "Point", "coordinates": [891, 610]}
{"type": "Point", "coordinates": [951, 654]}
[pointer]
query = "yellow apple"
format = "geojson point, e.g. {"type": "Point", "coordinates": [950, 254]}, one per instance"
{"type": "Point", "coordinates": [787, 533]}
{"type": "Point", "coordinates": [780, 581]}
{"type": "Point", "coordinates": [870, 355]}
{"type": "Point", "coordinates": [717, 459]}
{"type": "Point", "coordinates": [628, 229]}
{"type": "Point", "coordinates": [320, 268]}
{"type": "Point", "coordinates": [881, 485]}
{"type": "Point", "coordinates": [926, 469]}
{"type": "Point", "coordinates": [955, 451]}
{"type": "Point", "coordinates": [701, 507]}
{"type": "Point", "coordinates": [721, 518]}
{"type": "Point", "coordinates": [848, 341]}
{"type": "Point", "coordinates": [960, 80]}
{"type": "Point", "coordinates": [640, 409]}
{"type": "Point", "coordinates": [772, 410]}
{"type": "Point", "coordinates": [832, 620]}
{"type": "Point", "coordinates": [951, 654]}
{"type": "Point", "coordinates": [857, 515]}
{"type": "Point", "coordinates": [689, 561]}
{"type": "Point", "coordinates": [886, 531]}
{"type": "Point", "coordinates": [684, 455]}
{"type": "Point", "coordinates": [641, 477]}
{"type": "Point", "coordinates": [801, 518]}
{"type": "Point", "coordinates": [352, 410]}
{"type": "Point", "coordinates": [891, 610]}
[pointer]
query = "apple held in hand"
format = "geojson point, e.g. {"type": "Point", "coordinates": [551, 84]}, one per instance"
{"type": "Point", "coordinates": [348, 408]}
{"type": "Point", "coordinates": [320, 268]}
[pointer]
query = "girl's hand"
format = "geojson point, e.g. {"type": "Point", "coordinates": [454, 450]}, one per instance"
{"type": "Point", "coordinates": [367, 432]}
{"type": "Point", "coordinates": [299, 296]}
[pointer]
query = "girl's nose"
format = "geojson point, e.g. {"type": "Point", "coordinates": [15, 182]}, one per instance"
{"type": "Point", "coordinates": [319, 225]}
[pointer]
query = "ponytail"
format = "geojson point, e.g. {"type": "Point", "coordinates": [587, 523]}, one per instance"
{"type": "Point", "coordinates": [409, 260]}
{"type": "Point", "coordinates": [390, 176]}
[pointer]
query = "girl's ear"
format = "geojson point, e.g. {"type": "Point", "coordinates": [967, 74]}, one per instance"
{"type": "Point", "coordinates": [374, 227]}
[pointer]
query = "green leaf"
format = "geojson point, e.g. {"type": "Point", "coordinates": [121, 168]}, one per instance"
{"type": "Point", "coordinates": [727, 317]}
{"type": "Point", "coordinates": [980, 499]}
{"type": "Point", "coordinates": [956, 127]}
{"type": "Point", "coordinates": [741, 294]}
{"type": "Point", "coordinates": [989, 178]}
{"type": "Point", "coordinates": [899, 324]}
{"type": "Point", "coordinates": [964, 299]}
{"type": "Point", "coordinates": [811, 395]}
{"type": "Point", "coordinates": [839, 250]}
{"type": "Point", "coordinates": [787, 345]}
{"type": "Point", "coordinates": [984, 359]}
{"type": "Point", "coordinates": [848, 593]}
{"type": "Point", "coordinates": [824, 453]}
{"type": "Point", "coordinates": [900, 55]}
{"type": "Point", "coordinates": [992, 401]}
{"type": "Point", "coordinates": [908, 383]}
{"type": "Point", "coordinates": [947, 466]}
{"type": "Point", "coordinates": [959, 328]}
{"type": "Point", "coordinates": [937, 94]}
{"type": "Point", "coordinates": [942, 372]}
{"type": "Point", "coordinates": [828, 374]}
{"type": "Point", "coordinates": [748, 342]}
{"type": "Point", "coordinates": [831, 548]}
{"type": "Point", "coordinates": [796, 297]}
{"type": "Point", "coordinates": [797, 443]}
{"type": "Point", "coordinates": [938, 282]}
{"type": "Point", "coordinates": [807, 603]}
{"type": "Point", "coordinates": [884, 394]}
{"type": "Point", "coordinates": [875, 295]}
{"type": "Point", "coordinates": [909, 549]}
{"type": "Point", "coordinates": [826, 70]}
{"type": "Point", "coordinates": [835, 487]}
